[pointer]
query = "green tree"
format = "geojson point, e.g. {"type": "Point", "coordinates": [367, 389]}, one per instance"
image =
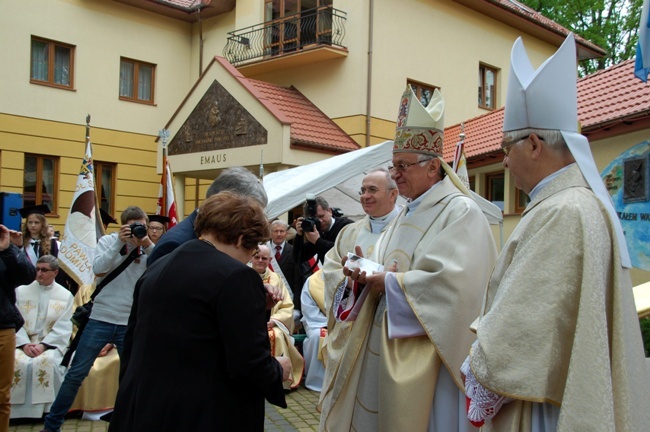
{"type": "Point", "coordinates": [611, 24]}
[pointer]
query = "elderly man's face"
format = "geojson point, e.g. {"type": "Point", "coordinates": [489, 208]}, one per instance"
{"type": "Point", "coordinates": [413, 178]}
{"type": "Point", "coordinates": [44, 274]}
{"type": "Point", "coordinates": [376, 199]}
{"type": "Point", "coordinates": [278, 234]}
{"type": "Point", "coordinates": [260, 261]}
{"type": "Point", "coordinates": [519, 162]}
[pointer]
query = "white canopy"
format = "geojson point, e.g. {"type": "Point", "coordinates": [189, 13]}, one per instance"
{"type": "Point", "coordinates": [287, 189]}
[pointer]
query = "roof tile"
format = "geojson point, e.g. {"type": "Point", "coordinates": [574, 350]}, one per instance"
{"type": "Point", "coordinates": [309, 125]}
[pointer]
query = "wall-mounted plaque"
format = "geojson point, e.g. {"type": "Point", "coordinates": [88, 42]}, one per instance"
{"type": "Point", "coordinates": [635, 179]}
{"type": "Point", "coordinates": [626, 179]}
{"type": "Point", "coordinates": [217, 122]}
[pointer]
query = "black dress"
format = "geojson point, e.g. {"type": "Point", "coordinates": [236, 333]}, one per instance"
{"type": "Point", "coordinates": [197, 354]}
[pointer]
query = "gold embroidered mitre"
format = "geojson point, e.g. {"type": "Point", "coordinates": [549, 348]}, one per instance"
{"type": "Point", "coordinates": [420, 129]}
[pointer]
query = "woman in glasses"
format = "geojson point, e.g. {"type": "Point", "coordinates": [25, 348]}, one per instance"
{"type": "Point", "coordinates": [157, 227]}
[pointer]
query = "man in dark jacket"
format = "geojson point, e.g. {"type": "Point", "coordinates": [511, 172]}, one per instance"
{"type": "Point", "coordinates": [237, 180]}
{"type": "Point", "coordinates": [318, 242]}
{"type": "Point", "coordinates": [15, 270]}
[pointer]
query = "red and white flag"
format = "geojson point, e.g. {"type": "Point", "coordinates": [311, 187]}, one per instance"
{"type": "Point", "coordinates": [166, 200]}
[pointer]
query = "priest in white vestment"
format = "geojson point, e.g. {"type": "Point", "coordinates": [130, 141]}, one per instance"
{"type": "Point", "coordinates": [314, 322]}
{"type": "Point", "coordinates": [397, 370]}
{"type": "Point", "coordinates": [558, 344]}
{"type": "Point", "coordinates": [281, 323]}
{"type": "Point", "coordinates": [41, 343]}
{"type": "Point", "coordinates": [378, 197]}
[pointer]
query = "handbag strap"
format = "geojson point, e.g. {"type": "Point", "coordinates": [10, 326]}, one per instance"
{"type": "Point", "coordinates": [115, 273]}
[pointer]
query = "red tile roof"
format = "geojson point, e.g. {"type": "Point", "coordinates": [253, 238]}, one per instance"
{"type": "Point", "coordinates": [310, 127]}
{"type": "Point", "coordinates": [611, 95]}
{"type": "Point", "coordinates": [605, 99]}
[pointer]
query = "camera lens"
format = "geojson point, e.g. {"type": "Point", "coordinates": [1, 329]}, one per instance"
{"type": "Point", "coordinates": [138, 230]}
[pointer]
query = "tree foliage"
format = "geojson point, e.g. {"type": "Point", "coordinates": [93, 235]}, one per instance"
{"type": "Point", "coordinates": [611, 24]}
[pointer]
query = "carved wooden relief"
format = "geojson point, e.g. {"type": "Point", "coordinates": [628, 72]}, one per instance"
{"type": "Point", "coordinates": [217, 122]}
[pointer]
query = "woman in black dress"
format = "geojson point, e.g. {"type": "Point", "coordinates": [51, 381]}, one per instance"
{"type": "Point", "coordinates": [197, 354]}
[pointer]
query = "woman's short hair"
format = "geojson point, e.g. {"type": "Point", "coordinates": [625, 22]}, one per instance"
{"type": "Point", "coordinates": [227, 216]}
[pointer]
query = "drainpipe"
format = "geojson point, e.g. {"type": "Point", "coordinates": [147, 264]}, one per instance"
{"type": "Point", "coordinates": [369, 77]}
{"type": "Point", "coordinates": [198, 15]}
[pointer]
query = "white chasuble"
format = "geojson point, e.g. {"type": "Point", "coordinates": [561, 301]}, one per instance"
{"type": "Point", "coordinates": [559, 324]}
{"type": "Point", "coordinates": [445, 251]}
{"type": "Point", "coordinates": [280, 336]}
{"type": "Point", "coordinates": [47, 312]}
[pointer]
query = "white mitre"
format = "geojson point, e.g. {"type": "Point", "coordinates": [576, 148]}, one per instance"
{"type": "Point", "coordinates": [547, 98]}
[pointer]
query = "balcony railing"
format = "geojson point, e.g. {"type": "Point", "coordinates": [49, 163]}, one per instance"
{"type": "Point", "coordinates": [313, 28]}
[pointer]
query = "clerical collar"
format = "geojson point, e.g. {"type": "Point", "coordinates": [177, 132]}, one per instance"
{"type": "Point", "coordinates": [377, 224]}
{"type": "Point", "coordinates": [411, 206]}
{"type": "Point", "coordinates": [47, 287]}
{"type": "Point", "coordinates": [545, 181]}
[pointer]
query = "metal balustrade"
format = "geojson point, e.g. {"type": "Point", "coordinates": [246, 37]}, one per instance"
{"type": "Point", "coordinates": [313, 28]}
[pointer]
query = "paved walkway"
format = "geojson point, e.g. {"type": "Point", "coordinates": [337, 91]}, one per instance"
{"type": "Point", "coordinates": [300, 416]}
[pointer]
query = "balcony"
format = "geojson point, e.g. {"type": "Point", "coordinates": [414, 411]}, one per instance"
{"type": "Point", "coordinates": [307, 37]}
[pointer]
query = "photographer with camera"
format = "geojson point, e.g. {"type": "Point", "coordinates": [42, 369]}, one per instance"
{"type": "Point", "coordinates": [122, 257]}
{"type": "Point", "coordinates": [315, 235]}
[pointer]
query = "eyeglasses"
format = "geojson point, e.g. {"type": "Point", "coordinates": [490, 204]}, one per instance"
{"type": "Point", "coordinates": [507, 146]}
{"type": "Point", "coordinates": [154, 229]}
{"type": "Point", "coordinates": [370, 190]}
{"type": "Point", "coordinates": [43, 270]}
{"type": "Point", "coordinates": [403, 167]}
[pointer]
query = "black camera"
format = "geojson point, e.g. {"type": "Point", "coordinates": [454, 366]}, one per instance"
{"type": "Point", "coordinates": [309, 223]}
{"type": "Point", "coordinates": [310, 220]}
{"type": "Point", "coordinates": [138, 230]}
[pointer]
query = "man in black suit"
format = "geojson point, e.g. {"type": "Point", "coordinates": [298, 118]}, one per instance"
{"type": "Point", "coordinates": [236, 180]}
{"type": "Point", "coordinates": [282, 254]}
{"type": "Point", "coordinates": [318, 242]}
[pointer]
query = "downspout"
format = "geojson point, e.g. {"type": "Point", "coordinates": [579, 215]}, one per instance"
{"type": "Point", "coordinates": [198, 15]}
{"type": "Point", "coordinates": [371, 9]}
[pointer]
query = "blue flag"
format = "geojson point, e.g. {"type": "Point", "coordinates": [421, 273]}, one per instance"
{"type": "Point", "coordinates": [642, 64]}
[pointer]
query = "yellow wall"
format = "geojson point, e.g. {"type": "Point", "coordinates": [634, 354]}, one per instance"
{"type": "Point", "coordinates": [102, 31]}
{"type": "Point", "coordinates": [137, 182]}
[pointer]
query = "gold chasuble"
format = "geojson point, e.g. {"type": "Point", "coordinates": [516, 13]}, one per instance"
{"type": "Point", "coordinates": [282, 343]}
{"type": "Point", "coordinates": [559, 323]}
{"type": "Point", "coordinates": [445, 252]}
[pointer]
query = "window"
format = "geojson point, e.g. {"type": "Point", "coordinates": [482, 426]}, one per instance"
{"type": "Point", "coordinates": [40, 181]}
{"type": "Point", "coordinates": [424, 92]}
{"type": "Point", "coordinates": [105, 185]}
{"type": "Point", "coordinates": [495, 188]}
{"type": "Point", "coordinates": [521, 200]}
{"type": "Point", "coordinates": [52, 63]}
{"type": "Point", "coordinates": [487, 88]}
{"type": "Point", "coordinates": [294, 24]}
{"type": "Point", "coordinates": [137, 81]}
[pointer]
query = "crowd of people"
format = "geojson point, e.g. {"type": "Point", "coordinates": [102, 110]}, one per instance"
{"type": "Point", "coordinates": [411, 319]}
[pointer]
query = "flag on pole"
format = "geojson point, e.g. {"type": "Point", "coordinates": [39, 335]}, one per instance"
{"type": "Point", "coordinates": [166, 200]}
{"type": "Point", "coordinates": [642, 64]}
{"type": "Point", "coordinates": [460, 163]}
{"type": "Point", "coordinates": [83, 226]}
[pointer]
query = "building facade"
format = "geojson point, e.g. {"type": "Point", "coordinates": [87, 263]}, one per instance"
{"type": "Point", "coordinates": [277, 83]}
